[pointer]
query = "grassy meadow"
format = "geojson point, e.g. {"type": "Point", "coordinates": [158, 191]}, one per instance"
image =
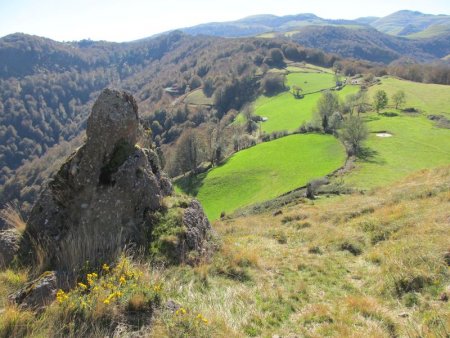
{"type": "Point", "coordinates": [430, 98]}
{"type": "Point", "coordinates": [356, 266]}
{"type": "Point", "coordinates": [264, 172]}
{"type": "Point", "coordinates": [311, 82]}
{"type": "Point", "coordinates": [415, 144]}
{"type": "Point", "coordinates": [285, 112]}
{"type": "Point", "coordinates": [197, 97]}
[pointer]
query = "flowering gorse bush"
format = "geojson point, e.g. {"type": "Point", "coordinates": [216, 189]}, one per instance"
{"type": "Point", "coordinates": [186, 323]}
{"type": "Point", "coordinates": [110, 292]}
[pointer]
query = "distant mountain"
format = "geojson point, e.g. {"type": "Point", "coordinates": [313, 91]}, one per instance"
{"type": "Point", "coordinates": [402, 23]}
{"type": "Point", "coordinates": [259, 24]}
{"type": "Point", "coordinates": [370, 44]}
{"type": "Point", "coordinates": [367, 20]}
{"type": "Point", "coordinates": [423, 37]}
{"type": "Point", "coordinates": [407, 23]}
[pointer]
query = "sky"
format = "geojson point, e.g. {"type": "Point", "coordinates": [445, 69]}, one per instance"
{"type": "Point", "coordinates": [127, 20]}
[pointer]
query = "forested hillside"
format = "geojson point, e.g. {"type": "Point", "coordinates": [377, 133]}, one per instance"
{"type": "Point", "coordinates": [45, 102]}
{"type": "Point", "coordinates": [48, 87]}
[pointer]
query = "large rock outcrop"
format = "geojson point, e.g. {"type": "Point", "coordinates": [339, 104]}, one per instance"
{"type": "Point", "coordinates": [105, 196]}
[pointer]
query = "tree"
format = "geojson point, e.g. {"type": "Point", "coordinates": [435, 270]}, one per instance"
{"type": "Point", "coordinates": [327, 105]}
{"type": "Point", "coordinates": [297, 91]}
{"type": "Point", "coordinates": [276, 56]}
{"type": "Point", "coordinates": [399, 99]}
{"type": "Point", "coordinates": [215, 143]}
{"type": "Point", "coordinates": [356, 102]}
{"type": "Point", "coordinates": [273, 84]}
{"type": "Point", "coordinates": [380, 100]}
{"type": "Point", "coordinates": [188, 152]}
{"type": "Point", "coordinates": [353, 133]}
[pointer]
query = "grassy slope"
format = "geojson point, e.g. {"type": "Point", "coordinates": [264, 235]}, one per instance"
{"type": "Point", "coordinates": [311, 82]}
{"type": "Point", "coordinates": [416, 143]}
{"type": "Point", "coordinates": [266, 171]}
{"type": "Point", "coordinates": [199, 98]}
{"type": "Point", "coordinates": [431, 98]}
{"type": "Point", "coordinates": [273, 276]}
{"type": "Point", "coordinates": [434, 30]}
{"type": "Point", "coordinates": [284, 112]}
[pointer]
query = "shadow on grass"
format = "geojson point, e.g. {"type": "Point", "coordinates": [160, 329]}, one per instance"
{"type": "Point", "coordinates": [389, 114]}
{"type": "Point", "coordinates": [371, 118]}
{"type": "Point", "coordinates": [191, 184]}
{"type": "Point", "coordinates": [369, 155]}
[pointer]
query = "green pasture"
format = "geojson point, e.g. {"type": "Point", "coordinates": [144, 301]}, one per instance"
{"type": "Point", "coordinates": [430, 98]}
{"type": "Point", "coordinates": [264, 172]}
{"type": "Point", "coordinates": [416, 143]}
{"type": "Point", "coordinates": [285, 112]}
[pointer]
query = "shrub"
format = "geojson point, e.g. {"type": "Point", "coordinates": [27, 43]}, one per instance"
{"type": "Point", "coordinates": [105, 297]}
{"type": "Point", "coordinates": [185, 323]}
{"type": "Point", "coordinates": [273, 84]}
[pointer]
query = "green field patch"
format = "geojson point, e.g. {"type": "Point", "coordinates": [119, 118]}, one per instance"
{"type": "Point", "coordinates": [415, 144]}
{"type": "Point", "coordinates": [285, 112]}
{"type": "Point", "coordinates": [197, 97]}
{"type": "Point", "coordinates": [430, 98]}
{"type": "Point", "coordinates": [311, 82]}
{"type": "Point", "coordinates": [264, 172]}
{"type": "Point", "coordinates": [296, 69]}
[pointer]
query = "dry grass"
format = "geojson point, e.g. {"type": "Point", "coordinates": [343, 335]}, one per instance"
{"type": "Point", "coordinates": [377, 269]}
{"type": "Point", "coordinates": [12, 217]}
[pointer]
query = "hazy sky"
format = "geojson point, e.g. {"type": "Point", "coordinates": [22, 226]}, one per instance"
{"type": "Point", "coordinates": [125, 20]}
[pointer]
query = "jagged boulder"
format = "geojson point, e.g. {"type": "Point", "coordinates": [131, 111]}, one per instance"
{"type": "Point", "coordinates": [104, 196]}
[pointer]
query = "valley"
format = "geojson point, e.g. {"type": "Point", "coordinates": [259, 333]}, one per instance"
{"type": "Point", "coordinates": [273, 176]}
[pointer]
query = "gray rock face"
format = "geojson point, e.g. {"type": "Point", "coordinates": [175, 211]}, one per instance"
{"type": "Point", "coordinates": [108, 187]}
{"type": "Point", "coordinates": [105, 197]}
{"type": "Point", "coordinates": [38, 293]}
{"type": "Point", "coordinates": [9, 246]}
{"type": "Point", "coordinates": [197, 227]}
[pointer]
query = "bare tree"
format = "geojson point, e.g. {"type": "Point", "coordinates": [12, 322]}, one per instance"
{"type": "Point", "coordinates": [188, 153]}
{"type": "Point", "coordinates": [353, 133]}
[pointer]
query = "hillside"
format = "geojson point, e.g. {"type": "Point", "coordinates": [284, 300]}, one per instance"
{"type": "Point", "coordinates": [349, 38]}
{"type": "Point", "coordinates": [44, 102]}
{"type": "Point", "coordinates": [409, 23]}
{"type": "Point", "coordinates": [258, 24]}
{"type": "Point", "coordinates": [372, 265]}
{"type": "Point", "coordinates": [370, 44]}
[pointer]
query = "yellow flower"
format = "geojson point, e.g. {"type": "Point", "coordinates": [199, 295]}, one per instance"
{"type": "Point", "coordinates": [106, 301]}
{"type": "Point", "coordinates": [105, 267]}
{"type": "Point", "coordinates": [183, 310]}
{"type": "Point", "coordinates": [205, 320]}
{"type": "Point", "coordinates": [61, 296]}
{"type": "Point", "coordinates": [82, 286]}
{"type": "Point", "coordinates": [122, 280]}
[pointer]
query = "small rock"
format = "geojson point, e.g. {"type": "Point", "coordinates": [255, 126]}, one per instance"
{"type": "Point", "coordinates": [403, 315]}
{"type": "Point", "coordinates": [276, 213]}
{"type": "Point", "coordinates": [172, 306]}
{"type": "Point", "coordinates": [38, 293]}
{"type": "Point", "coordinates": [444, 297]}
{"type": "Point", "coordinates": [9, 245]}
